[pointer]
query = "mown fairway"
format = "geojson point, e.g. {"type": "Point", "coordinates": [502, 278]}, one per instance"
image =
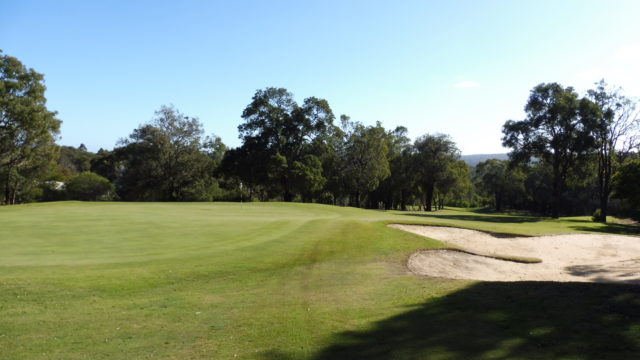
{"type": "Point", "coordinates": [281, 281]}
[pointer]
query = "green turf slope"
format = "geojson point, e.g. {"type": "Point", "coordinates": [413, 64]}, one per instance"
{"type": "Point", "coordinates": [278, 281]}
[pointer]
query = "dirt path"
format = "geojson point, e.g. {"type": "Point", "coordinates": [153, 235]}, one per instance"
{"type": "Point", "coordinates": [571, 257]}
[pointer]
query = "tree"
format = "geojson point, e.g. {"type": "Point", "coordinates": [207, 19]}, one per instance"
{"type": "Point", "coordinates": [434, 154]}
{"type": "Point", "coordinates": [244, 168]}
{"type": "Point", "coordinates": [27, 128]}
{"type": "Point", "coordinates": [108, 164]}
{"type": "Point", "coordinates": [393, 192]}
{"type": "Point", "coordinates": [215, 149]}
{"type": "Point", "coordinates": [163, 160]}
{"type": "Point", "coordinates": [365, 161]}
{"type": "Point", "coordinates": [72, 161]}
{"type": "Point", "coordinates": [457, 181]}
{"type": "Point", "coordinates": [626, 185]}
{"type": "Point", "coordinates": [556, 131]}
{"type": "Point", "coordinates": [307, 177]}
{"type": "Point", "coordinates": [282, 134]}
{"type": "Point", "coordinates": [333, 160]}
{"type": "Point", "coordinates": [615, 134]}
{"type": "Point", "coordinates": [494, 178]}
{"type": "Point", "coordinates": [88, 186]}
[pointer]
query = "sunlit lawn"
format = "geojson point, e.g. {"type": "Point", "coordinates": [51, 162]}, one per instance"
{"type": "Point", "coordinates": [282, 281]}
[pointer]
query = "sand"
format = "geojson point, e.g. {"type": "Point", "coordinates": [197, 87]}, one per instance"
{"type": "Point", "coordinates": [571, 257]}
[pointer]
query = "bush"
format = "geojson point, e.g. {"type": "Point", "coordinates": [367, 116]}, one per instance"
{"type": "Point", "coordinates": [89, 186]}
{"type": "Point", "coordinates": [597, 216]}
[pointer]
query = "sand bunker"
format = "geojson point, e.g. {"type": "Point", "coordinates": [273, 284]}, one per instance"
{"type": "Point", "coordinates": [573, 257]}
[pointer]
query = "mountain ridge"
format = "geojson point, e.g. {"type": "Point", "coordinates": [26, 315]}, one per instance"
{"type": "Point", "coordinates": [475, 159]}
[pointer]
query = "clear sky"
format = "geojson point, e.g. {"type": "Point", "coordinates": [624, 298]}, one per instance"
{"type": "Point", "coordinates": [457, 67]}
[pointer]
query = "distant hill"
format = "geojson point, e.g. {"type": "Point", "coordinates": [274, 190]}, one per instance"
{"type": "Point", "coordinates": [474, 159]}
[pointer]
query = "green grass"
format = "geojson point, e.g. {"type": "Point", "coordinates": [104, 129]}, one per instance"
{"type": "Point", "coordinates": [281, 281]}
{"type": "Point", "coordinates": [509, 224]}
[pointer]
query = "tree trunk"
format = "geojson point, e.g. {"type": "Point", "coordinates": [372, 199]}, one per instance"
{"type": "Point", "coordinates": [604, 203]}
{"type": "Point", "coordinates": [428, 197]}
{"type": "Point", "coordinates": [7, 191]}
{"type": "Point", "coordinates": [371, 202]}
{"type": "Point", "coordinates": [604, 183]}
{"type": "Point", "coordinates": [13, 196]}
{"type": "Point", "coordinates": [287, 196]}
{"type": "Point", "coordinates": [556, 192]}
{"type": "Point", "coordinates": [7, 188]}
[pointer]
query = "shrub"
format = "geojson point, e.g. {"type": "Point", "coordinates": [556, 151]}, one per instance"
{"type": "Point", "coordinates": [597, 216]}
{"type": "Point", "coordinates": [89, 186]}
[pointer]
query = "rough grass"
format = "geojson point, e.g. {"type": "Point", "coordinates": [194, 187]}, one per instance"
{"type": "Point", "coordinates": [516, 259]}
{"type": "Point", "coordinates": [279, 281]}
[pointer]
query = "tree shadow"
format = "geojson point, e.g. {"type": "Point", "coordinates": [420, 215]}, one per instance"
{"type": "Point", "coordinates": [580, 221]}
{"type": "Point", "coordinates": [488, 210]}
{"type": "Point", "coordinates": [276, 355]}
{"type": "Point", "coordinates": [618, 229]}
{"type": "Point", "coordinates": [619, 273]}
{"type": "Point", "coordinates": [496, 320]}
{"type": "Point", "coordinates": [510, 219]}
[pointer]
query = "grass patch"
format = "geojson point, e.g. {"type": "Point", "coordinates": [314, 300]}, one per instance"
{"type": "Point", "coordinates": [271, 280]}
{"type": "Point", "coordinates": [516, 259]}
{"type": "Point", "coordinates": [515, 224]}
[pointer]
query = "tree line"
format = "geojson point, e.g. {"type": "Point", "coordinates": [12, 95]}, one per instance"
{"type": "Point", "coordinates": [568, 156]}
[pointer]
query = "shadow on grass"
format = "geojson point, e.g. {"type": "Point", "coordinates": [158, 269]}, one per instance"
{"type": "Point", "coordinates": [502, 212]}
{"type": "Point", "coordinates": [619, 229]}
{"type": "Point", "coordinates": [528, 320]}
{"type": "Point", "coordinates": [484, 218]}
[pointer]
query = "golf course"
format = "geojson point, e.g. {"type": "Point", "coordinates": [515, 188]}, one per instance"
{"type": "Point", "coordinates": [102, 280]}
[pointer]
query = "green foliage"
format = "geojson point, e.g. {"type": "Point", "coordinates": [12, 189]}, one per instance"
{"type": "Point", "coordinates": [397, 190]}
{"type": "Point", "coordinates": [597, 216]}
{"type": "Point", "coordinates": [434, 154]}
{"type": "Point", "coordinates": [365, 161]}
{"type": "Point", "coordinates": [615, 131]}
{"type": "Point", "coordinates": [73, 161]}
{"type": "Point", "coordinates": [88, 186]}
{"type": "Point", "coordinates": [495, 179]}
{"type": "Point", "coordinates": [278, 136]}
{"type": "Point", "coordinates": [27, 131]}
{"type": "Point", "coordinates": [539, 188]}
{"type": "Point", "coordinates": [557, 131]}
{"type": "Point", "coordinates": [108, 164]}
{"type": "Point", "coordinates": [307, 175]}
{"type": "Point", "coordinates": [215, 149]}
{"type": "Point", "coordinates": [164, 160]}
{"type": "Point", "coordinates": [562, 154]}
{"type": "Point", "coordinates": [455, 186]}
{"type": "Point", "coordinates": [626, 186]}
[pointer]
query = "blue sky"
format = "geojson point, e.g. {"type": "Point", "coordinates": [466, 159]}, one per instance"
{"type": "Point", "coordinates": [457, 67]}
